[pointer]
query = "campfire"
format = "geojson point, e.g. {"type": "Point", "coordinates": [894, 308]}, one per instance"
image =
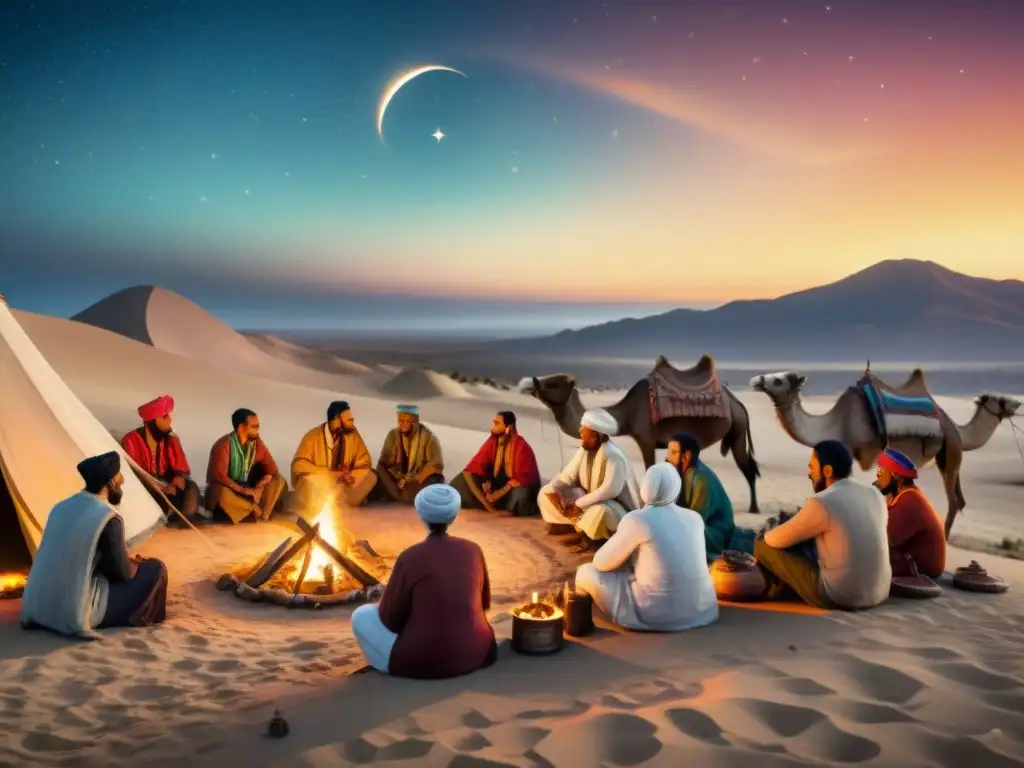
{"type": "Point", "coordinates": [12, 585]}
{"type": "Point", "coordinates": [333, 569]}
{"type": "Point", "coordinates": [537, 627]}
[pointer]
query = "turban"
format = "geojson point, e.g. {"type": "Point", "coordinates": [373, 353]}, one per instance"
{"type": "Point", "coordinates": [601, 421]}
{"type": "Point", "coordinates": [411, 410]}
{"type": "Point", "coordinates": [898, 463]}
{"type": "Point", "coordinates": [437, 504]}
{"type": "Point", "coordinates": [157, 408]}
{"type": "Point", "coordinates": [97, 471]}
{"type": "Point", "coordinates": [661, 485]}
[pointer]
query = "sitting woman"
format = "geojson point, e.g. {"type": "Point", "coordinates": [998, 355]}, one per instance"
{"type": "Point", "coordinates": [82, 577]}
{"type": "Point", "coordinates": [652, 574]}
{"type": "Point", "coordinates": [431, 621]}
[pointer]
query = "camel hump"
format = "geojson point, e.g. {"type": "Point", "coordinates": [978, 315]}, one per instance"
{"type": "Point", "coordinates": [914, 386]}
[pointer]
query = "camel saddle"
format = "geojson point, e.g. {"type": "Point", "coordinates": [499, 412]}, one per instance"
{"type": "Point", "coordinates": [692, 393]}
{"type": "Point", "coordinates": [901, 412]}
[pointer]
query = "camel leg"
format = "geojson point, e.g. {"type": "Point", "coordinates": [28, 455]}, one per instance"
{"type": "Point", "coordinates": [948, 463]}
{"type": "Point", "coordinates": [746, 462]}
{"type": "Point", "coordinates": [647, 450]}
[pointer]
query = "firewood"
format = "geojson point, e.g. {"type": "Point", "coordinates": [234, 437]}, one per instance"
{"type": "Point", "coordinates": [292, 551]}
{"type": "Point", "coordinates": [226, 582]}
{"type": "Point", "coordinates": [297, 587]}
{"type": "Point", "coordinates": [348, 564]}
{"type": "Point", "coordinates": [278, 596]}
{"type": "Point", "coordinates": [266, 569]}
{"type": "Point", "coordinates": [248, 593]}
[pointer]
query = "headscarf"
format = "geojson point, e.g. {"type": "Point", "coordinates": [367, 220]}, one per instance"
{"type": "Point", "coordinates": [410, 410]}
{"type": "Point", "coordinates": [437, 504]}
{"type": "Point", "coordinates": [97, 471]}
{"type": "Point", "coordinates": [156, 408]}
{"type": "Point", "coordinates": [661, 485]}
{"type": "Point", "coordinates": [898, 463]}
{"type": "Point", "coordinates": [599, 420]}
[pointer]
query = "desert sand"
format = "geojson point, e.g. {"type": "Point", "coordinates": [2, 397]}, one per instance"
{"type": "Point", "coordinates": [934, 683]}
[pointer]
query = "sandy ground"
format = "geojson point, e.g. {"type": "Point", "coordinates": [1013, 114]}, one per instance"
{"type": "Point", "coordinates": [910, 683]}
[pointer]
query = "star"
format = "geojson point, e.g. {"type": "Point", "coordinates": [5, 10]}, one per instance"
{"type": "Point", "coordinates": [615, 133]}
{"type": "Point", "coordinates": [438, 134]}
{"type": "Point", "coordinates": [515, 169]}
{"type": "Point", "coordinates": [214, 155]}
{"type": "Point", "coordinates": [247, 193]}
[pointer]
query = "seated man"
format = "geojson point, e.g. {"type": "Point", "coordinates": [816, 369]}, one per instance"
{"type": "Point", "coordinates": [503, 474]}
{"type": "Point", "coordinates": [242, 478]}
{"type": "Point", "coordinates": [432, 618]}
{"type": "Point", "coordinates": [82, 577]}
{"type": "Point", "coordinates": [703, 492]}
{"type": "Point", "coordinates": [156, 449]}
{"type": "Point", "coordinates": [594, 490]}
{"type": "Point", "coordinates": [652, 574]}
{"type": "Point", "coordinates": [846, 519]}
{"type": "Point", "coordinates": [332, 463]}
{"type": "Point", "coordinates": [915, 530]}
{"type": "Point", "coordinates": [410, 459]}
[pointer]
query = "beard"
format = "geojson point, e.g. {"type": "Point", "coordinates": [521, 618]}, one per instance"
{"type": "Point", "coordinates": [114, 497]}
{"type": "Point", "coordinates": [819, 485]}
{"type": "Point", "coordinates": [889, 490]}
{"type": "Point", "coordinates": [157, 433]}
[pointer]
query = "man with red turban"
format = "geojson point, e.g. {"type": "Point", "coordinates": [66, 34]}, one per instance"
{"type": "Point", "coordinates": [915, 530]}
{"type": "Point", "coordinates": [156, 449]}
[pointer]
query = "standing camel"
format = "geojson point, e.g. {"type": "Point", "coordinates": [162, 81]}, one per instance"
{"type": "Point", "coordinates": [633, 415]}
{"type": "Point", "coordinates": [851, 422]}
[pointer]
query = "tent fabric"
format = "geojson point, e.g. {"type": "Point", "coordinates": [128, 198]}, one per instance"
{"type": "Point", "coordinates": [45, 430]}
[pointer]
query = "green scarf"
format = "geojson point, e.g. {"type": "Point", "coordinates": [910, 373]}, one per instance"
{"type": "Point", "coordinates": [242, 459]}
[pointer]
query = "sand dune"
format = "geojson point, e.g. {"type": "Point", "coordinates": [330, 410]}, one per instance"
{"type": "Point", "coordinates": [308, 358]}
{"type": "Point", "coordinates": [170, 322]}
{"type": "Point", "coordinates": [910, 684]}
{"type": "Point", "coordinates": [422, 383]}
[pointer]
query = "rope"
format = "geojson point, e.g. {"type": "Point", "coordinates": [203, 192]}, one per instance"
{"type": "Point", "coordinates": [1014, 429]}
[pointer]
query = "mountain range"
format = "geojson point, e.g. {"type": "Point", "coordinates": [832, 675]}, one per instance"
{"type": "Point", "coordinates": [894, 310]}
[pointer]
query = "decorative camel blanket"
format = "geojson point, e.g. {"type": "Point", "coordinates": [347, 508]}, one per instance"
{"type": "Point", "coordinates": [695, 392]}
{"type": "Point", "coordinates": [899, 416]}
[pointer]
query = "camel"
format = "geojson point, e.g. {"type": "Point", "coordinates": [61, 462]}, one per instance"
{"type": "Point", "coordinates": [850, 421]}
{"type": "Point", "coordinates": [559, 393]}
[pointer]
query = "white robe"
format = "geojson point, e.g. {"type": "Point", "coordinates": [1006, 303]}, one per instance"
{"type": "Point", "coordinates": [653, 573]}
{"type": "Point", "coordinates": [605, 493]}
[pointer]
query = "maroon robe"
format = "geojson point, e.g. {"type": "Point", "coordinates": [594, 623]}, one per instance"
{"type": "Point", "coordinates": [915, 529]}
{"type": "Point", "coordinates": [436, 602]}
{"type": "Point", "coordinates": [520, 461]}
{"type": "Point", "coordinates": [169, 460]}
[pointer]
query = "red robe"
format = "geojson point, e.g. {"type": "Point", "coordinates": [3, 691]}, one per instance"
{"type": "Point", "coordinates": [436, 602]}
{"type": "Point", "coordinates": [520, 461]}
{"type": "Point", "coordinates": [169, 460]}
{"type": "Point", "coordinates": [915, 529]}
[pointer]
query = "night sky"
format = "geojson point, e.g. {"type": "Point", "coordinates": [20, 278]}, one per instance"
{"type": "Point", "coordinates": [668, 154]}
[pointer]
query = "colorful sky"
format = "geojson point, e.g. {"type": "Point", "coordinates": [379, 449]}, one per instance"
{"type": "Point", "coordinates": [608, 153]}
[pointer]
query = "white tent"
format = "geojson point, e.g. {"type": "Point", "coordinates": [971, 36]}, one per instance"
{"type": "Point", "coordinates": [44, 432]}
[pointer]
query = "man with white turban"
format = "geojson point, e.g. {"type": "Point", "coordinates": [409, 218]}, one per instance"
{"type": "Point", "coordinates": [595, 489]}
{"type": "Point", "coordinates": [652, 574]}
{"type": "Point", "coordinates": [432, 618]}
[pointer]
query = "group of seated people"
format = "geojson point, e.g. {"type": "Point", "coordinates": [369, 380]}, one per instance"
{"type": "Point", "coordinates": [653, 544]}
{"type": "Point", "coordinates": [331, 462]}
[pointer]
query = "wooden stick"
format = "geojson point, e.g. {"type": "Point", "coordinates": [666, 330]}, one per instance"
{"type": "Point", "coordinates": [305, 567]}
{"type": "Point", "coordinates": [292, 551]}
{"type": "Point", "coordinates": [258, 577]}
{"type": "Point", "coordinates": [350, 566]}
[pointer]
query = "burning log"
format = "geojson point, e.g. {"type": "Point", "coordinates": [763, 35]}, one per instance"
{"type": "Point", "coordinates": [347, 563]}
{"type": "Point", "coordinates": [305, 567]}
{"type": "Point", "coordinates": [262, 574]}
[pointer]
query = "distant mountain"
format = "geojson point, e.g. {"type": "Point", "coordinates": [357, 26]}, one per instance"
{"type": "Point", "coordinates": [895, 310]}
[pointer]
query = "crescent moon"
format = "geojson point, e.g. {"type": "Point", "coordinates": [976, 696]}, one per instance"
{"type": "Point", "coordinates": [396, 83]}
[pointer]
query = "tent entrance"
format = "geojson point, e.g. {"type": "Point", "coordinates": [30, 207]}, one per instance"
{"type": "Point", "coordinates": [14, 551]}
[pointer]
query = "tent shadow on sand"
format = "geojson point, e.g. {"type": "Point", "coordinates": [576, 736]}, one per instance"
{"type": "Point", "coordinates": [339, 717]}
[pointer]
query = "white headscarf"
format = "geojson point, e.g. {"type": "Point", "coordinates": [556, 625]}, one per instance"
{"type": "Point", "coordinates": [661, 485]}
{"type": "Point", "coordinates": [599, 420]}
{"type": "Point", "coordinates": [437, 504]}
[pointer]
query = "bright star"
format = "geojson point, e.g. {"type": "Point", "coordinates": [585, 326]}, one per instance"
{"type": "Point", "coordinates": [438, 134]}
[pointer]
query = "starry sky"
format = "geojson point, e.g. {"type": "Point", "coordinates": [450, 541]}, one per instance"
{"type": "Point", "coordinates": [599, 159]}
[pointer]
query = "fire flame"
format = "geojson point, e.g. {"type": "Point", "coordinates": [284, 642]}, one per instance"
{"type": "Point", "coordinates": [328, 518]}
{"type": "Point", "coordinates": [12, 581]}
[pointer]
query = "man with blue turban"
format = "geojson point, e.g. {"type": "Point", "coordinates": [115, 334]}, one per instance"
{"type": "Point", "coordinates": [410, 459]}
{"type": "Point", "coordinates": [914, 529]}
{"type": "Point", "coordinates": [432, 618]}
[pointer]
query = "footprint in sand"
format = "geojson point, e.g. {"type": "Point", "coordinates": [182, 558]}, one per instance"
{"type": "Point", "coordinates": [196, 641]}
{"type": "Point", "coordinates": [472, 742]}
{"type": "Point", "coordinates": [827, 742]}
{"type": "Point", "coordinates": [308, 646]}
{"type": "Point", "coordinates": [152, 692]}
{"type": "Point", "coordinates": [697, 725]}
{"type": "Point", "coordinates": [476, 719]}
{"type": "Point", "coordinates": [225, 665]}
{"type": "Point", "coordinates": [975, 677]}
{"type": "Point", "coordinates": [186, 665]}
{"type": "Point", "coordinates": [407, 749]}
{"type": "Point", "coordinates": [804, 686]}
{"type": "Point", "coordinates": [784, 719]}
{"type": "Point", "coordinates": [40, 741]}
{"type": "Point", "coordinates": [866, 713]}
{"type": "Point", "coordinates": [576, 708]}
{"type": "Point", "coordinates": [878, 681]}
